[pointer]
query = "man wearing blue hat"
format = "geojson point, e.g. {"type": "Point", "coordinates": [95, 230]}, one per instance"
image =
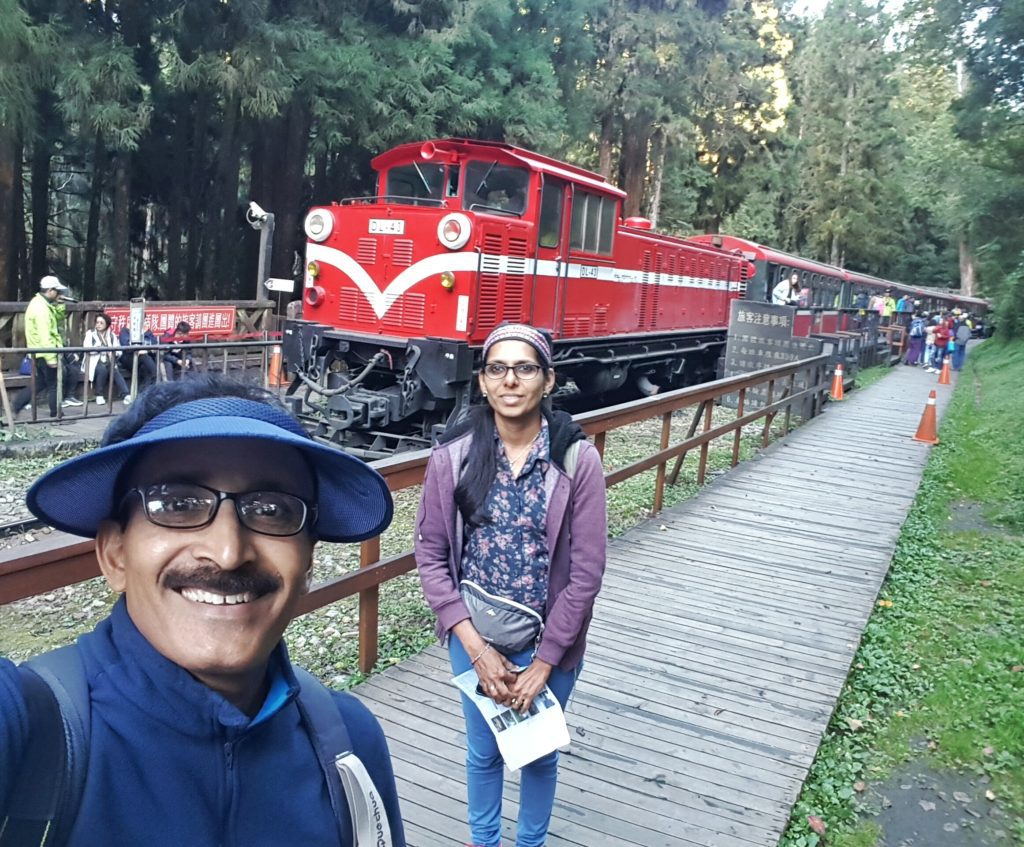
{"type": "Point", "coordinates": [206, 501]}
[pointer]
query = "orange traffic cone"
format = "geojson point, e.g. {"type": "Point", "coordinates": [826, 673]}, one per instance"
{"type": "Point", "coordinates": [944, 375]}
{"type": "Point", "coordinates": [276, 377]}
{"type": "Point", "coordinates": [926, 429]}
{"type": "Point", "coordinates": [837, 383]}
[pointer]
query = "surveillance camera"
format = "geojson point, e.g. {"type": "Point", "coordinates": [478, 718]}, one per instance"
{"type": "Point", "coordinates": [256, 212]}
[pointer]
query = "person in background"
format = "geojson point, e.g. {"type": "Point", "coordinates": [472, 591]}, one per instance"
{"type": "Point", "coordinates": [177, 360]}
{"type": "Point", "coordinates": [929, 347]}
{"type": "Point", "coordinates": [501, 509]}
{"type": "Point", "coordinates": [43, 319]}
{"type": "Point", "coordinates": [915, 340]}
{"type": "Point", "coordinates": [100, 368]}
{"type": "Point", "coordinates": [961, 335]}
{"type": "Point", "coordinates": [942, 337]}
{"type": "Point", "coordinates": [147, 364]}
{"type": "Point", "coordinates": [888, 308]}
{"type": "Point", "coordinates": [787, 292]}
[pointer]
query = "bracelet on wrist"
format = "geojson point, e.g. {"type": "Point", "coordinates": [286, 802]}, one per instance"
{"type": "Point", "coordinates": [480, 655]}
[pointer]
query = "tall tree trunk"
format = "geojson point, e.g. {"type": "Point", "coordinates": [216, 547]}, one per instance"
{"type": "Point", "coordinates": [196, 222]}
{"type": "Point", "coordinates": [10, 158]}
{"type": "Point", "coordinates": [968, 268]}
{"type": "Point", "coordinates": [636, 135]}
{"type": "Point", "coordinates": [42, 155]}
{"type": "Point", "coordinates": [659, 147]}
{"type": "Point", "coordinates": [92, 230]}
{"type": "Point", "coordinates": [225, 283]}
{"type": "Point", "coordinates": [604, 154]}
{"type": "Point", "coordinates": [288, 190]}
{"type": "Point", "coordinates": [176, 200]}
{"type": "Point", "coordinates": [121, 229]}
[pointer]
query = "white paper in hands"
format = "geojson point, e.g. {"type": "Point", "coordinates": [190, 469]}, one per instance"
{"type": "Point", "coordinates": [521, 738]}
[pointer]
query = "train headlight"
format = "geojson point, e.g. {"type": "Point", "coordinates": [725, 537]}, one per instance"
{"type": "Point", "coordinates": [313, 269]}
{"type": "Point", "coordinates": [319, 225]}
{"type": "Point", "coordinates": [454, 230]}
{"type": "Point", "coordinates": [447, 280]}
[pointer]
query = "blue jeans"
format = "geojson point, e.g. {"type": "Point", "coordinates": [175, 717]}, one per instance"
{"type": "Point", "coordinates": [959, 354]}
{"type": "Point", "coordinates": [485, 770]}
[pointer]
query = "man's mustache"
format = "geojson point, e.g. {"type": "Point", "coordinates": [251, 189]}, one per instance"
{"type": "Point", "coordinates": [218, 581]}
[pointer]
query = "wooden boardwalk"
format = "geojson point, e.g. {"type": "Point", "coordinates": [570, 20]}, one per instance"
{"type": "Point", "coordinates": [720, 643]}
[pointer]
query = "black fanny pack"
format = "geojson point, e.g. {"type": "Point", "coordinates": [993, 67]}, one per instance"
{"type": "Point", "coordinates": [508, 626]}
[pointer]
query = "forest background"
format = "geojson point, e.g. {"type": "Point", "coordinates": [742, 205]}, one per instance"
{"type": "Point", "coordinates": [133, 134]}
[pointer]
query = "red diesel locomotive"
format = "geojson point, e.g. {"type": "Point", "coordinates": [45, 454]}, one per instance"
{"type": "Point", "coordinates": [402, 288]}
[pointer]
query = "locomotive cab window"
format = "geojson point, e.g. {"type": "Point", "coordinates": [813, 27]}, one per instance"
{"type": "Point", "coordinates": [500, 189]}
{"type": "Point", "coordinates": [551, 203]}
{"type": "Point", "coordinates": [416, 183]}
{"type": "Point", "coordinates": [593, 222]}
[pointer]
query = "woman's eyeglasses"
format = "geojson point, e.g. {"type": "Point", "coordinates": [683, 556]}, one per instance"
{"type": "Point", "coordinates": [524, 370]}
{"type": "Point", "coordinates": [188, 505]}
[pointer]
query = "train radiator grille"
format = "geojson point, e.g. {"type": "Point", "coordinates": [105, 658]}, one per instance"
{"type": "Point", "coordinates": [407, 313]}
{"type": "Point", "coordinates": [401, 253]}
{"type": "Point", "coordinates": [515, 280]}
{"type": "Point", "coordinates": [354, 308]}
{"type": "Point", "coordinates": [366, 251]}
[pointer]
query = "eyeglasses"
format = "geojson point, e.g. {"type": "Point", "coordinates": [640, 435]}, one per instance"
{"type": "Point", "coordinates": [188, 505]}
{"type": "Point", "coordinates": [524, 370]}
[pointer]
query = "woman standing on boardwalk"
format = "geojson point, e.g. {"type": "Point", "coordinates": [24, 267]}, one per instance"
{"type": "Point", "coordinates": [513, 502]}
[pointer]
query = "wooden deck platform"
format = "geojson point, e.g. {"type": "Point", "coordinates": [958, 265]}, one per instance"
{"type": "Point", "coordinates": [720, 643]}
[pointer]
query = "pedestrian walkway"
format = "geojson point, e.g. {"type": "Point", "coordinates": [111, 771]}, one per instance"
{"type": "Point", "coordinates": [720, 644]}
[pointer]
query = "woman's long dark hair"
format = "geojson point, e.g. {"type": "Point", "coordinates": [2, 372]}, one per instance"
{"type": "Point", "coordinates": [474, 486]}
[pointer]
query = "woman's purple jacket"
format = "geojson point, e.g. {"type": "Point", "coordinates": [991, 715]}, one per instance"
{"type": "Point", "coordinates": [577, 531]}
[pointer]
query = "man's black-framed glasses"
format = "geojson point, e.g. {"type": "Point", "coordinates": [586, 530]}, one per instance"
{"type": "Point", "coordinates": [522, 370]}
{"type": "Point", "coordinates": [188, 505]}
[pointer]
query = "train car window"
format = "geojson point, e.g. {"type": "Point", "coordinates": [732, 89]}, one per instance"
{"type": "Point", "coordinates": [609, 213]}
{"type": "Point", "coordinates": [491, 187]}
{"type": "Point", "coordinates": [593, 222]}
{"type": "Point", "coordinates": [551, 204]}
{"type": "Point", "coordinates": [453, 182]}
{"type": "Point", "coordinates": [415, 182]}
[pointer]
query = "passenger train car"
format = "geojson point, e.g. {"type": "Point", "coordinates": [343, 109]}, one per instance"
{"type": "Point", "coordinates": [402, 288]}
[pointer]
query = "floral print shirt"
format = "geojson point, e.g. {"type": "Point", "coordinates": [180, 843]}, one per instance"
{"type": "Point", "coordinates": [508, 555]}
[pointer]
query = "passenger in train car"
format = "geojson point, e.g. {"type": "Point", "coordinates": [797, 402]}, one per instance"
{"type": "Point", "coordinates": [510, 546]}
{"type": "Point", "coordinates": [888, 308]}
{"type": "Point", "coordinates": [787, 292]}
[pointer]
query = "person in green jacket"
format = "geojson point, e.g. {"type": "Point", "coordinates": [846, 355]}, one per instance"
{"type": "Point", "coordinates": [42, 329]}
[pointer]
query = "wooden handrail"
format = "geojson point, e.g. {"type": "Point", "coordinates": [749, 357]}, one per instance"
{"type": "Point", "coordinates": [58, 559]}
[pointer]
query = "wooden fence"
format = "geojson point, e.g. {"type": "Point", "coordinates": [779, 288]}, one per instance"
{"type": "Point", "coordinates": [58, 559]}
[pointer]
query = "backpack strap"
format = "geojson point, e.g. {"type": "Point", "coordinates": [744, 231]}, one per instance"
{"type": "Point", "coordinates": [572, 456]}
{"type": "Point", "coordinates": [357, 804]}
{"type": "Point", "coordinates": [48, 790]}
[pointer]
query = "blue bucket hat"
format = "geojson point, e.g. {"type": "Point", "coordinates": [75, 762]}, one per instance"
{"type": "Point", "coordinates": [353, 500]}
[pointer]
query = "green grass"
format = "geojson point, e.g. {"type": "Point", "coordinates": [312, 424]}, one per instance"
{"type": "Point", "coordinates": [941, 661]}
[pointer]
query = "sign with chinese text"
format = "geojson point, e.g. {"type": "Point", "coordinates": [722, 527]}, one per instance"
{"type": "Point", "coordinates": [203, 320]}
{"type": "Point", "coordinates": [761, 336]}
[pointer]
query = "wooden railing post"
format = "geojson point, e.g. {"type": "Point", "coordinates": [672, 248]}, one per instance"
{"type": "Point", "coordinates": [689, 434]}
{"type": "Point", "coordinates": [659, 482]}
{"type": "Point", "coordinates": [768, 418]}
{"type": "Point", "coordinates": [599, 443]}
{"type": "Point", "coordinates": [791, 390]}
{"type": "Point", "coordinates": [369, 609]}
{"type": "Point", "coordinates": [703, 466]}
{"type": "Point", "coordinates": [739, 430]}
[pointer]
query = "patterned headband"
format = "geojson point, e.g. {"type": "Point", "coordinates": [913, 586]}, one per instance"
{"type": "Point", "coordinates": [521, 332]}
